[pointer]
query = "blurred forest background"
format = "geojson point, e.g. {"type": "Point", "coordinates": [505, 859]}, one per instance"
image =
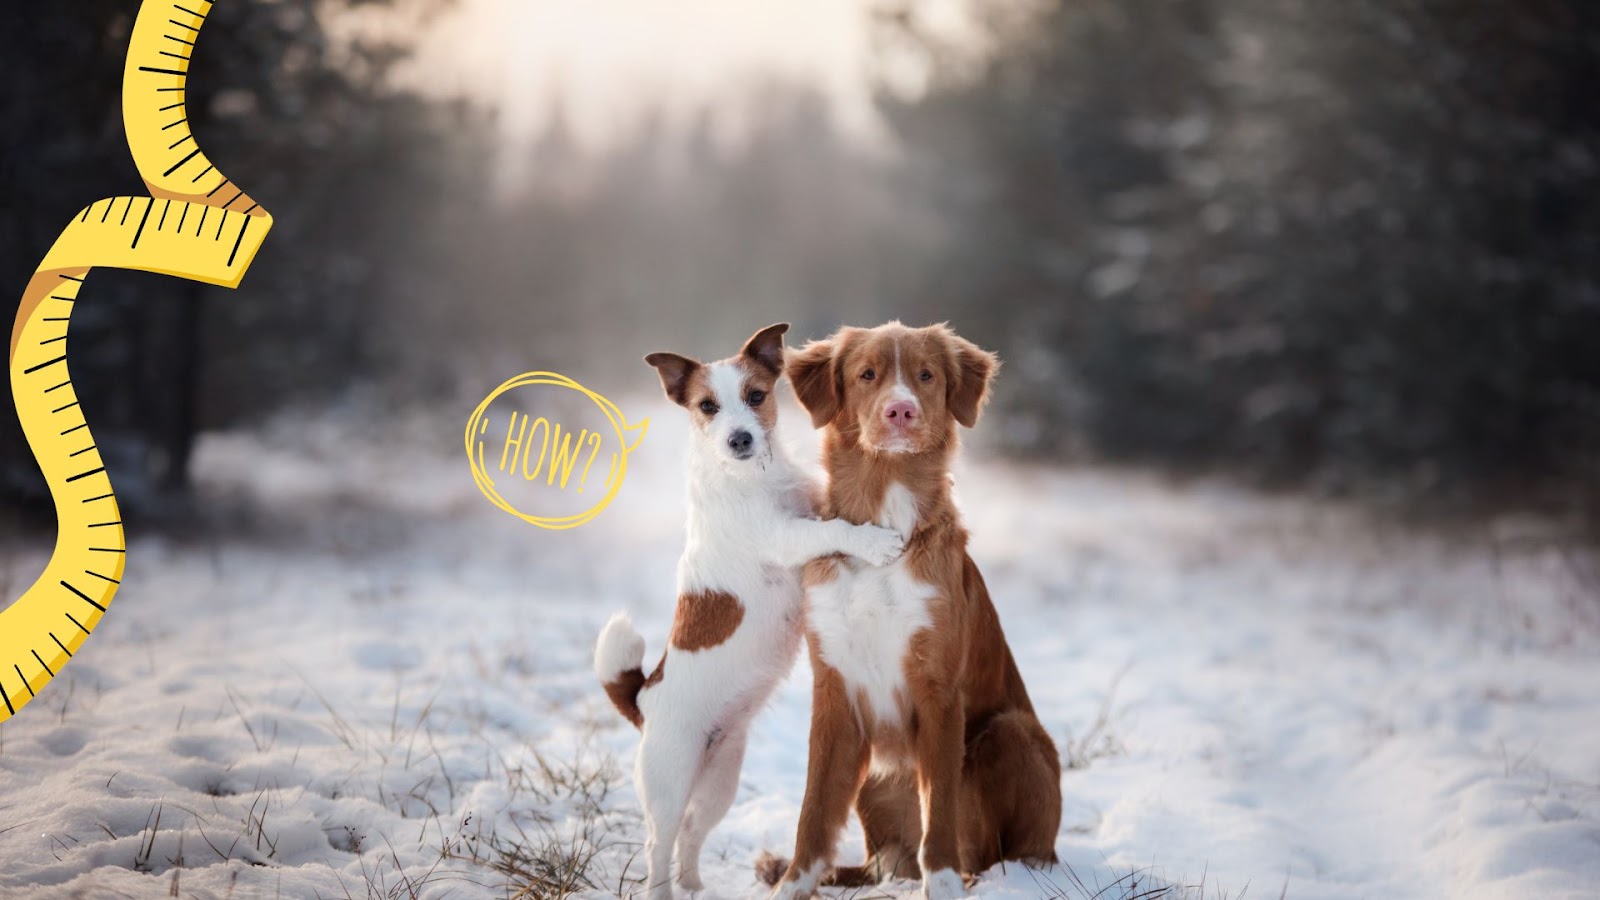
{"type": "Point", "coordinates": [1349, 247]}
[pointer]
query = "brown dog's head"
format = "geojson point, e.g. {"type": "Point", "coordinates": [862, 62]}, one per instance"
{"type": "Point", "coordinates": [729, 400]}
{"type": "Point", "coordinates": [893, 389]}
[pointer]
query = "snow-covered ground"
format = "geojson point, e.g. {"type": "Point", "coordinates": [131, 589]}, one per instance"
{"type": "Point", "coordinates": [366, 681]}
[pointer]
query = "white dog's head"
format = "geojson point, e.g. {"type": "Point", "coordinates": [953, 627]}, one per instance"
{"type": "Point", "coordinates": [730, 401]}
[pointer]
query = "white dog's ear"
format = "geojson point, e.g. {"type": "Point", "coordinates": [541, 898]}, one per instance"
{"type": "Point", "coordinates": [765, 347]}
{"type": "Point", "coordinates": [814, 373]}
{"type": "Point", "coordinates": [675, 372]}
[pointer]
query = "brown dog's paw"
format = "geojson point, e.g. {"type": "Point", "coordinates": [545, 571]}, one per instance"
{"type": "Point", "coordinates": [770, 868]}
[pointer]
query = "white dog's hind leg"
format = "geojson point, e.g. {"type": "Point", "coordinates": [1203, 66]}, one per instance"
{"type": "Point", "coordinates": [713, 794]}
{"type": "Point", "coordinates": [669, 764]}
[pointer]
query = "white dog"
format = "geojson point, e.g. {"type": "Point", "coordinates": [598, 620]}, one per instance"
{"type": "Point", "coordinates": [739, 619]}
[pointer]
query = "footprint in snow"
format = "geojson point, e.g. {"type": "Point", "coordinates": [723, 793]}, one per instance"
{"type": "Point", "coordinates": [64, 741]}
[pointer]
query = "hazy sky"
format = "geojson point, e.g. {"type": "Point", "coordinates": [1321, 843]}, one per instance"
{"type": "Point", "coordinates": [607, 58]}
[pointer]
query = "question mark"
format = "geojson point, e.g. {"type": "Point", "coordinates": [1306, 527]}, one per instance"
{"type": "Point", "coordinates": [594, 438]}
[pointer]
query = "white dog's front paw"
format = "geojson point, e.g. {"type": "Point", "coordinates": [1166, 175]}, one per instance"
{"type": "Point", "coordinates": [945, 884]}
{"type": "Point", "coordinates": [878, 546]}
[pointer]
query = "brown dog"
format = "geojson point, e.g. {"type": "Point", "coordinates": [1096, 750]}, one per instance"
{"type": "Point", "coordinates": [919, 715]}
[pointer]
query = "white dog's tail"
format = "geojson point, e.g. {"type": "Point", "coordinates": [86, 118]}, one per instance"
{"type": "Point", "coordinates": [619, 661]}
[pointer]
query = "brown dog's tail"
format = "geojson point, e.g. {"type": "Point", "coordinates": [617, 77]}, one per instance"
{"type": "Point", "coordinates": [619, 661]}
{"type": "Point", "coordinates": [770, 869]}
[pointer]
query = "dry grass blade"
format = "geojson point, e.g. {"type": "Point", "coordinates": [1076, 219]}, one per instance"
{"type": "Point", "coordinates": [1137, 884]}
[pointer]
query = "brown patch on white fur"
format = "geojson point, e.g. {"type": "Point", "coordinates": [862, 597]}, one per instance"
{"type": "Point", "coordinates": [757, 394]}
{"type": "Point", "coordinates": [761, 362]}
{"type": "Point", "coordinates": [984, 773]}
{"type": "Point", "coordinates": [624, 690]}
{"type": "Point", "coordinates": [705, 619]}
{"type": "Point", "coordinates": [686, 383]}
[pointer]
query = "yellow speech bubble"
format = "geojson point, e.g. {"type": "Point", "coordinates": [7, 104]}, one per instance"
{"type": "Point", "coordinates": [566, 455]}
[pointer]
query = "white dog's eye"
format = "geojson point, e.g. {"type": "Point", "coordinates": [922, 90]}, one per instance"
{"type": "Point", "coordinates": [707, 407]}
{"type": "Point", "coordinates": [756, 397]}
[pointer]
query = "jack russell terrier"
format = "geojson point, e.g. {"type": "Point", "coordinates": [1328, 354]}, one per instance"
{"type": "Point", "coordinates": [736, 630]}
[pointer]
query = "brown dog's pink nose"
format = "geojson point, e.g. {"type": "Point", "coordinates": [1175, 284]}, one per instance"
{"type": "Point", "coordinates": [900, 412]}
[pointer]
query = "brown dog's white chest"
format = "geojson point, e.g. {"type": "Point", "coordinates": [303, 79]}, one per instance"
{"type": "Point", "coordinates": [864, 619]}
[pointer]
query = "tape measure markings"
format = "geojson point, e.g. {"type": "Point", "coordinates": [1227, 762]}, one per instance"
{"type": "Point", "coordinates": [87, 566]}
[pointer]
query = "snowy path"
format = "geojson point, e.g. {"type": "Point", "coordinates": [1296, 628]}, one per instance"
{"type": "Point", "coordinates": [375, 660]}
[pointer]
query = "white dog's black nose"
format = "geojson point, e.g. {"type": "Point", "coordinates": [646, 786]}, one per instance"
{"type": "Point", "coordinates": [739, 442]}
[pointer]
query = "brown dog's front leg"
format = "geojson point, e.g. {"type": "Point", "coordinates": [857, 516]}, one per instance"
{"type": "Point", "coordinates": [940, 748]}
{"type": "Point", "coordinates": [837, 766]}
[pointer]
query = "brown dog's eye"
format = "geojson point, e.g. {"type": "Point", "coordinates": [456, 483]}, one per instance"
{"type": "Point", "coordinates": [868, 375]}
{"type": "Point", "coordinates": [926, 375]}
{"type": "Point", "coordinates": [756, 397]}
{"type": "Point", "coordinates": [707, 407]}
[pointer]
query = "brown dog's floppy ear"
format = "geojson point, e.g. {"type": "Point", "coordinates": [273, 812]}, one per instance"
{"type": "Point", "coordinates": [765, 347]}
{"type": "Point", "coordinates": [969, 389]}
{"type": "Point", "coordinates": [674, 371]}
{"type": "Point", "coordinates": [814, 375]}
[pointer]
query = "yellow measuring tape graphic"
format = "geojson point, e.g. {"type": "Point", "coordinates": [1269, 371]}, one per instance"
{"type": "Point", "coordinates": [193, 223]}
